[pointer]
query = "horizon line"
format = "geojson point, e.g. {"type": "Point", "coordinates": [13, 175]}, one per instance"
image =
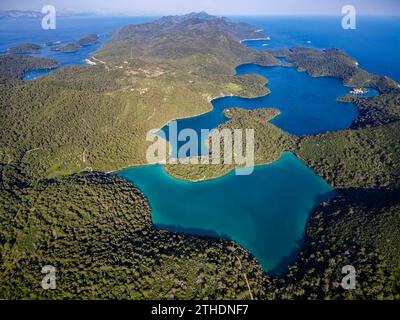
{"type": "Point", "coordinates": [122, 14]}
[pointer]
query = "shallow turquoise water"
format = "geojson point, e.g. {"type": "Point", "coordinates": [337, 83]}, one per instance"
{"type": "Point", "coordinates": [265, 212]}
{"type": "Point", "coordinates": [267, 216]}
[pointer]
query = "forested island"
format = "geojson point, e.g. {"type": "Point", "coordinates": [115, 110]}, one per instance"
{"type": "Point", "coordinates": [68, 48]}
{"type": "Point", "coordinates": [14, 67]}
{"type": "Point", "coordinates": [20, 14]}
{"type": "Point", "coordinates": [88, 40]}
{"type": "Point", "coordinates": [25, 48]}
{"type": "Point", "coordinates": [60, 134]}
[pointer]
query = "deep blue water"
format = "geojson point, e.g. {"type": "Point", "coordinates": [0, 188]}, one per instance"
{"type": "Point", "coordinates": [266, 211]}
{"type": "Point", "coordinates": [308, 105]}
{"type": "Point", "coordinates": [375, 44]}
{"type": "Point", "coordinates": [17, 31]}
{"type": "Point", "coordinates": [267, 217]}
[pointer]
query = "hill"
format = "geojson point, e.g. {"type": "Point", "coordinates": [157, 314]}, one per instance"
{"type": "Point", "coordinates": [59, 134]}
{"type": "Point", "coordinates": [13, 67]}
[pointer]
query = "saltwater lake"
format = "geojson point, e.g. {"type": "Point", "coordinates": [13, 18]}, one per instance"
{"type": "Point", "coordinates": [265, 212]}
{"type": "Point", "coordinates": [308, 105]}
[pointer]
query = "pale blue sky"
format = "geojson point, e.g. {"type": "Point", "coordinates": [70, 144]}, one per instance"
{"type": "Point", "coordinates": [220, 7]}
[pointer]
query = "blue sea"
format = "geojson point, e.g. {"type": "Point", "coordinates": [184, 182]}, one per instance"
{"type": "Point", "coordinates": [68, 30]}
{"type": "Point", "coordinates": [265, 212]}
{"type": "Point", "coordinates": [375, 43]}
{"type": "Point", "coordinates": [308, 105]}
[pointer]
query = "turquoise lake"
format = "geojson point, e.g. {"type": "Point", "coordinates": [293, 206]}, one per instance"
{"type": "Point", "coordinates": [264, 212]}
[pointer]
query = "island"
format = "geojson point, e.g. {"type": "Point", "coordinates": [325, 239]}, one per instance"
{"type": "Point", "coordinates": [52, 43]}
{"type": "Point", "coordinates": [25, 48]}
{"type": "Point", "coordinates": [69, 48]}
{"type": "Point", "coordinates": [14, 67]}
{"type": "Point", "coordinates": [20, 14]}
{"type": "Point", "coordinates": [88, 40]}
{"type": "Point", "coordinates": [61, 137]}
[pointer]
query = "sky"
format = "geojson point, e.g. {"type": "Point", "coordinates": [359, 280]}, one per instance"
{"type": "Point", "coordinates": [219, 7]}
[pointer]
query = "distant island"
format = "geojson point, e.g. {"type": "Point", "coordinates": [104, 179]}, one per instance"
{"type": "Point", "coordinates": [52, 43]}
{"type": "Point", "coordinates": [32, 48]}
{"type": "Point", "coordinates": [60, 135]}
{"type": "Point", "coordinates": [69, 48]}
{"type": "Point", "coordinates": [25, 48]}
{"type": "Point", "coordinates": [17, 14]}
{"type": "Point", "coordinates": [29, 14]}
{"type": "Point", "coordinates": [88, 40]}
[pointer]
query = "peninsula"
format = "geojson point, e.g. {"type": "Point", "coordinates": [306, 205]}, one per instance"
{"type": "Point", "coordinates": [60, 134]}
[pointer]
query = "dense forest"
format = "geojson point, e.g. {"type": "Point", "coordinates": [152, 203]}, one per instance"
{"type": "Point", "coordinates": [60, 134]}
{"type": "Point", "coordinates": [337, 64]}
{"type": "Point", "coordinates": [269, 143]}
{"type": "Point", "coordinates": [96, 230]}
{"type": "Point", "coordinates": [13, 67]}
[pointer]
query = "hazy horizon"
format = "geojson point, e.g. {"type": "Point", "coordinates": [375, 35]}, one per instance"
{"type": "Point", "coordinates": [215, 7]}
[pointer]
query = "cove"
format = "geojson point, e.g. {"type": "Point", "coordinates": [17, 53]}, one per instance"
{"type": "Point", "coordinates": [267, 217]}
{"type": "Point", "coordinates": [308, 105]}
{"type": "Point", "coordinates": [65, 59]}
{"type": "Point", "coordinates": [69, 29]}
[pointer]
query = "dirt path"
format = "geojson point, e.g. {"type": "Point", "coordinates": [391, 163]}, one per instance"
{"type": "Point", "coordinates": [245, 278]}
{"type": "Point", "coordinates": [105, 64]}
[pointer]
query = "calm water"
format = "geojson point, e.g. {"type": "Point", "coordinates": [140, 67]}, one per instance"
{"type": "Point", "coordinates": [375, 43]}
{"type": "Point", "coordinates": [17, 31]}
{"type": "Point", "coordinates": [267, 217]}
{"type": "Point", "coordinates": [265, 212]}
{"type": "Point", "coordinates": [308, 105]}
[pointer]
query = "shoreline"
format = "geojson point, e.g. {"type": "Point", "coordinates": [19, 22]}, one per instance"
{"type": "Point", "coordinates": [226, 173]}
{"type": "Point", "coordinates": [188, 117]}
{"type": "Point", "coordinates": [165, 166]}
{"type": "Point", "coordinates": [205, 112]}
{"type": "Point", "coordinates": [255, 39]}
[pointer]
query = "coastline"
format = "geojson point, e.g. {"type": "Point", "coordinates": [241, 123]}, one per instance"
{"type": "Point", "coordinates": [224, 174]}
{"type": "Point", "coordinates": [211, 108]}
{"type": "Point", "coordinates": [256, 39]}
{"type": "Point", "coordinates": [235, 167]}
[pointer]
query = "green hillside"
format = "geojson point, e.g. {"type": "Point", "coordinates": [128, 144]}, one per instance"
{"type": "Point", "coordinates": [60, 135]}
